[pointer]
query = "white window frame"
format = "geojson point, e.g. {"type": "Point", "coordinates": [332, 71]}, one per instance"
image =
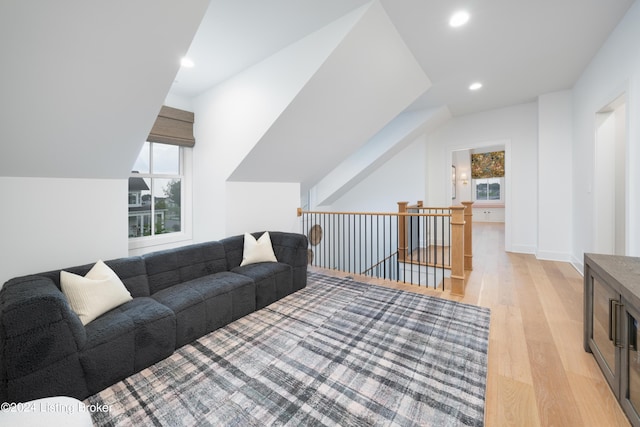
{"type": "Point", "coordinates": [139, 244]}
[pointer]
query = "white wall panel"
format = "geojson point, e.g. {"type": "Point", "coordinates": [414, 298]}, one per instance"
{"type": "Point", "coordinates": [258, 206]}
{"type": "Point", "coordinates": [52, 223]}
{"type": "Point", "coordinates": [615, 70]}
{"type": "Point", "coordinates": [554, 176]}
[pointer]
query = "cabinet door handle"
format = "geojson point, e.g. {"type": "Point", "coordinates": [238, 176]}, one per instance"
{"type": "Point", "coordinates": [612, 318]}
{"type": "Point", "coordinates": [618, 333]}
{"type": "Point", "coordinates": [614, 324]}
{"type": "Point", "coordinates": [633, 334]}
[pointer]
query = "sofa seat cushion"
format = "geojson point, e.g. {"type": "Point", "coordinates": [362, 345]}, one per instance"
{"type": "Point", "coordinates": [274, 280]}
{"type": "Point", "coordinates": [204, 304]}
{"type": "Point", "coordinates": [127, 339]}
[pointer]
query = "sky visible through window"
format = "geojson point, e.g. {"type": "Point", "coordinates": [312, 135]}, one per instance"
{"type": "Point", "coordinates": [166, 160]}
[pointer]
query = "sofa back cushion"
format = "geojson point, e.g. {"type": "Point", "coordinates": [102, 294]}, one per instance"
{"type": "Point", "coordinates": [131, 271]}
{"type": "Point", "coordinates": [172, 266]}
{"type": "Point", "coordinates": [234, 248]}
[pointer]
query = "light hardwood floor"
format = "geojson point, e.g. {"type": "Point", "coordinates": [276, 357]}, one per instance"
{"type": "Point", "coordinates": [538, 371]}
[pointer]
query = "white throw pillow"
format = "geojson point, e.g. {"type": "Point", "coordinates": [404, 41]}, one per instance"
{"type": "Point", "coordinates": [99, 291]}
{"type": "Point", "coordinates": [257, 250]}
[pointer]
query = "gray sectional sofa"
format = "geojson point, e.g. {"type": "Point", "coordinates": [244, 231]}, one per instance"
{"type": "Point", "coordinates": [178, 296]}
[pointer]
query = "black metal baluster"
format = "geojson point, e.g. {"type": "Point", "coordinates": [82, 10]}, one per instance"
{"type": "Point", "coordinates": [443, 262]}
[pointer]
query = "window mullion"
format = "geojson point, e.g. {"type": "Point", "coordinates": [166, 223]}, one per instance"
{"type": "Point", "coordinates": [151, 169]}
{"type": "Point", "coordinates": [152, 219]}
{"type": "Point", "coordinates": [153, 208]}
{"type": "Point", "coordinates": [163, 176]}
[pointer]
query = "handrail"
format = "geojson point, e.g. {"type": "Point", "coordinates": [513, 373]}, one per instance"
{"type": "Point", "coordinates": [364, 273]}
{"type": "Point", "coordinates": [300, 212]}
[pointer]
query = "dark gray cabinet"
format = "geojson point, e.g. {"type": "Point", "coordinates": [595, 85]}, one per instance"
{"type": "Point", "coordinates": [611, 315]}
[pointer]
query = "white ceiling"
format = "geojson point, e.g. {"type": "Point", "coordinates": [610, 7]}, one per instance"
{"type": "Point", "coordinates": [236, 34]}
{"type": "Point", "coordinates": [77, 98]}
{"type": "Point", "coordinates": [517, 49]}
{"type": "Point", "coordinates": [348, 99]}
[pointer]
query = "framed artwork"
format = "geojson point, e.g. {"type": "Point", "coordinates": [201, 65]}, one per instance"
{"type": "Point", "coordinates": [453, 182]}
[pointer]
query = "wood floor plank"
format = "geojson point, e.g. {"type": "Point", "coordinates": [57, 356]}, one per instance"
{"type": "Point", "coordinates": [514, 357]}
{"type": "Point", "coordinates": [568, 339]}
{"type": "Point", "coordinates": [598, 404]}
{"type": "Point", "coordinates": [516, 403]}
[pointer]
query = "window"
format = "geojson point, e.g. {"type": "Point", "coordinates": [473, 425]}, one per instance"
{"type": "Point", "coordinates": [488, 189]}
{"type": "Point", "coordinates": [487, 173]}
{"type": "Point", "coordinates": [156, 188]}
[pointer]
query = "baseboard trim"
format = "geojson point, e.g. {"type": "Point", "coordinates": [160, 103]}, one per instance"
{"type": "Point", "coordinates": [523, 249]}
{"type": "Point", "coordinates": [578, 264]}
{"type": "Point", "coordinates": [554, 256]}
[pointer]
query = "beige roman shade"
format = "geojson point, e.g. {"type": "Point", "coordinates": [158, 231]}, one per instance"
{"type": "Point", "coordinates": [173, 126]}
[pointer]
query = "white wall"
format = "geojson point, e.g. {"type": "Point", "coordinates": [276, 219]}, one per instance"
{"type": "Point", "coordinates": [554, 176]}
{"type": "Point", "coordinates": [257, 206]}
{"type": "Point", "coordinates": [393, 138]}
{"type": "Point", "coordinates": [178, 101]}
{"type": "Point", "coordinates": [613, 71]}
{"type": "Point", "coordinates": [76, 110]}
{"type": "Point", "coordinates": [51, 223]}
{"type": "Point", "coordinates": [517, 128]}
{"type": "Point", "coordinates": [401, 178]}
{"type": "Point", "coordinates": [462, 161]}
{"type": "Point", "coordinates": [232, 117]}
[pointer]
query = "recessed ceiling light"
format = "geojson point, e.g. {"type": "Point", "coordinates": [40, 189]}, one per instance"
{"type": "Point", "coordinates": [459, 18]}
{"type": "Point", "coordinates": [475, 86]}
{"type": "Point", "coordinates": [186, 62]}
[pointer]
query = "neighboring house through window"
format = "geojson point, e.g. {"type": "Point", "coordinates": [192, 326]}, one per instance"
{"type": "Point", "coordinates": [155, 191]}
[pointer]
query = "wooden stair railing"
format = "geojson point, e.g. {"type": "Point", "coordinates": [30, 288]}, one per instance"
{"type": "Point", "coordinates": [459, 219]}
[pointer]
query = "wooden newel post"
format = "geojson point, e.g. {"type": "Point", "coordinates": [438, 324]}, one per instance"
{"type": "Point", "coordinates": [468, 235]}
{"type": "Point", "coordinates": [402, 231]}
{"type": "Point", "coordinates": [457, 250]}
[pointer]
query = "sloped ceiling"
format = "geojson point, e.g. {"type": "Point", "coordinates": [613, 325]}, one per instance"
{"type": "Point", "coordinates": [234, 116]}
{"type": "Point", "coordinates": [397, 135]}
{"type": "Point", "coordinates": [517, 50]}
{"type": "Point", "coordinates": [368, 79]}
{"type": "Point", "coordinates": [237, 34]}
{"type": "Point", "coordinates": [83, 81]}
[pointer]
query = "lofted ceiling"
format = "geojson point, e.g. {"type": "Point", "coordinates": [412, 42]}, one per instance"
{"type": "Point", "coordinates": [71, 66]}
{"type": "Point", "coordinates": [517, 49]}
{"type": "Point", "coordinates": [367, 79]}
{"type": "Point", "coordinates": [82, 82]}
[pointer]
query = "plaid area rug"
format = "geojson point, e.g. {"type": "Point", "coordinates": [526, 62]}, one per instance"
{"type": "Point", "coordinates": [338, 352]}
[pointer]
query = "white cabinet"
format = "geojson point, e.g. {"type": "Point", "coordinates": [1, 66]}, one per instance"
{"type": "Point", "coordinates": [488, 214]}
